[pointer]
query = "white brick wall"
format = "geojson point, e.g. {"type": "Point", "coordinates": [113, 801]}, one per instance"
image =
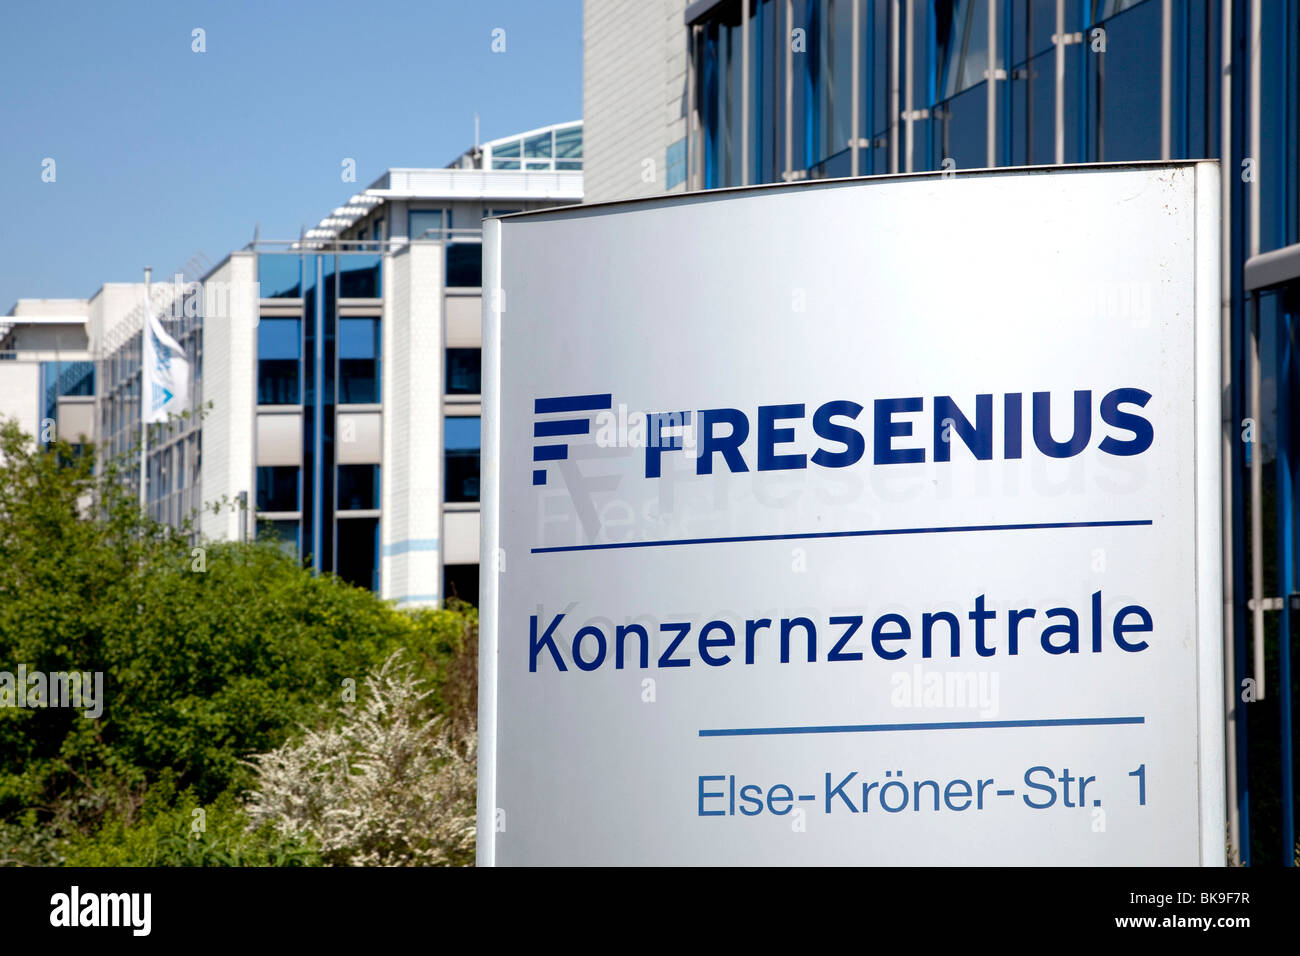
{"type": "Point", "coordinates": [229, 383]}
{"type": "Point", "coordinates": [115, 312]}
{"type": "Point", "coordinates": [634, 75]}
{"type": "Point", "coordinates": [20, 385]}
{"type": "Point", "coordinates": [411, 473]}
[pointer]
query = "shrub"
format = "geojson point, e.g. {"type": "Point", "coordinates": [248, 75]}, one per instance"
{"type": "Point", "coordinates": [388, 785]}
{"type": "Point", "coordinates": [176, 829]}
{"type": "Point", "coordinates": [205, 660]}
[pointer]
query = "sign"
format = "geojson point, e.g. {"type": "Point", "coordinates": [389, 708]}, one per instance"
{"type": "Point", "coordinates": [856, 522]}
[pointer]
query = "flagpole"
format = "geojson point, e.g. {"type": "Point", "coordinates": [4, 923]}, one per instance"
{"type": "Point", "coordinates": [144, 424]}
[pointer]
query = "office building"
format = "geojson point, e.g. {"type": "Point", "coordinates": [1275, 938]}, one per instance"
{"type": "Point", "coordinates": [47, 373]}
{"type": "Point", "coordinates": [335, 375]}
{"type": "Point", "coordinates": [728, 93]}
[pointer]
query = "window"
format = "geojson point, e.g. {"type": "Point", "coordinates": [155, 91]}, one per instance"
{"type": "Point", "coordinates": [421, 221]}
{"type": "Point", "coordinates": [964, 39]}
{"type": "Point", "coordinates": [280, 276]}
{"type": "Point", "coordinates": [538, 147]}
{"type": "Point", "coordinates": [62, 379]}
{"type": "Point", "coordinates": [464, 264]}
{"type": "Point", "coordinates": [460, 581]}
{"type": "Point", "coordinates": [828, 85]}
{"type": "Point", "coordinates": [358, 487]}
{"type": "Point", "coordinates": [568, 147]}
{"type": "Point", "coordinates": [359, 276]}
{"type": "Point", "coordinates": [284, 533]}
{"type": "Point", "coordinates": [720, 100]}
{"type": "Point", "coordinates": [1125, 108]}
{"type": "Point", "coordinates": [279, 345]}
{"type": "Point", "coordinates": [77, 378]}
{"type": "Point", "coordinates": [358, 360]}
{"type": "Point", "coordinates": [676, 164]}
{"type": "Point", "coordinates": [464, 371]}
{"type": "Point", "coordinates": [277, 488]}
{"type": "Point", "coordinates": [506, 156]}
{"type": "Point", "coordinates": [358, 552]}
{"type": "Point", "coordinates": [461, 443]}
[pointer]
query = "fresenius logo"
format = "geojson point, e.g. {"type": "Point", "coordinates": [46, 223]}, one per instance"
{"type": "Point", "coordinates": [562, 427]}
{"type": "Point", "coordinates": [881, 431]}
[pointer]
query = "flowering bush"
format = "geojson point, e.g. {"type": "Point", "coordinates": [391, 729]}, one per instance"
{"type": "Point", "coordinates": [388, 785]}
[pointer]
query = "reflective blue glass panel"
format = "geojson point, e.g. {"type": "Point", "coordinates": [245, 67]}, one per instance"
{"type": "Point", "coordinates": [279, 275]}
{"type": "Point", "coordinates": [279, 348]}
{"type": "Point", "coordinates": [538, 147]}
{"type": "Point", "coordinates": [359, 276]}
{"type": "Point", "coordinates": [358, 345]}
{"type": "Point", "coordinates": [568, 143]}
{"type": "Point", "coordinates": [1127, 86]}
{"type": "Point", "coordinates": [461, 441]}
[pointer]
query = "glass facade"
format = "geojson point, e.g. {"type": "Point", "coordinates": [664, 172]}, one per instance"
{"type": "Point", "coordinates": [801, 95]}
{"type": "Point", "coordinates": [559, 147]}
{"type": "Point", "coordinates": [175, 447]}
{"type": "Point", "coordinates": [319, 370]}
{"type": "Point", "coordinates": [326, 357]}
{"type": "Point", "coordinates": [1111, 81]}
{"type": "Point", "coordinates": [808, 133]}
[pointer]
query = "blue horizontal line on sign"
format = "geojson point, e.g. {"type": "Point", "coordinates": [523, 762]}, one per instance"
{"type": "Point", "coordinates": [573, 403]}
{"type": "Point", "coordinates": [550, 453]}
{"type": "Point", "coordinates": [805, 535]}
{"type": "Point", "coordinates": [936, 725]}
{"type": "Point", "coordinates": [562, 426]}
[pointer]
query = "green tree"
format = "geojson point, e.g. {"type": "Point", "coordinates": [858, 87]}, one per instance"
{"type": "Point", "coordinates": [201, 668]}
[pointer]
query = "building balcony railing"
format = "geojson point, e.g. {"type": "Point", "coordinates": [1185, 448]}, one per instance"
{"type": "Point", "coordinates": [362, 246]}
{"type": "Point", "coordinates": [479, 184]}
{"type": "Point", "coordinates": [45, 355]}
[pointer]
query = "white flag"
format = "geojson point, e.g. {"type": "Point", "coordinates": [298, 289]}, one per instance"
{"type": "Point", "coordinates": [166, 385]}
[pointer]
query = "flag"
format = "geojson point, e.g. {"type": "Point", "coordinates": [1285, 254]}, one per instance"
{"type": "Point", "coordinates": [166, 373]}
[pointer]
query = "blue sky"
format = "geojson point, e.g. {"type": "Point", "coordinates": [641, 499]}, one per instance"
{"type": "Point", "coordinates": [161, 153]}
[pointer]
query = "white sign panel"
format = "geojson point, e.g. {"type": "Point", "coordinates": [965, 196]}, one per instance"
{"type": "Point", "coordinates": [859, 522]}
